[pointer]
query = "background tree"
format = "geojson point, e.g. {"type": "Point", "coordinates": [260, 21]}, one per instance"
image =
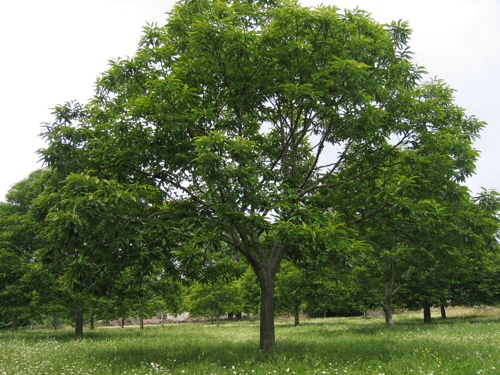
{"type": "Point", "coordinates": [18, 243]}
{"type": "Point", "coordinates": [214, 299]}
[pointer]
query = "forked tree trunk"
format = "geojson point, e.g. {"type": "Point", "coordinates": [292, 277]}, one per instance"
{"type": "Point", "coordinates": [427, 312]}
{"type": "Point", "coordinates": [14, 322]}
{"type": "Point", "coordinates": [296, 314]}
{"type": "Point", "coordinates": [79, 321]}
{"type": "Point", "coordinates": [443, 312]}
{"type": "Point", "coordinates": [265, 267]}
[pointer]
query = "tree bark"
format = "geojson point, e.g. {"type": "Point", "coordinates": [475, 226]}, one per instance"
{"type": "Point", "coordinates": [443, 312]}
{"type": "Point", "coordinates": [296, 313]}
{"type": "Point", "coordinates": [162, 319]}
{"type": "Point", "coordinates": [265, 265]}
{"type": "Point", "coordinates": [123, 322]}
{"type": "Point", "coordinates": [92, 320]}
{"type": "Point", "coordinates": [79, 321]}
{"type": "Point", "coordinates": [387, 303]}
{"type": "Point", "coordinates": [15, 324]}
{"type": "Point", "coordinates": [388, 313]}
{"type": "Point", "coordinates": [427, 312]}
{"type": "Point", "coordinates": [141, 320]}
{"type": "Point", "coordinates": [267, 334]}
{"type": "Point", "coordinates": [239, 315]}
{"type": "Point", "coordinates": [54, 321]}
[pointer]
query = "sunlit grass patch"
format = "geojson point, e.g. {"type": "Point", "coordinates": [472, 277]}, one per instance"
{"type": "Point", "coordinates": [461, 345]}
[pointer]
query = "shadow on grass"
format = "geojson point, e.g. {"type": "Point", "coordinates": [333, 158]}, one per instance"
{"type": "Point", "coordinates": [236, 344]}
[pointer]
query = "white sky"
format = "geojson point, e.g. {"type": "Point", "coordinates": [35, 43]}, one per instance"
{"type": "Point", "coordinates": [53, 50]}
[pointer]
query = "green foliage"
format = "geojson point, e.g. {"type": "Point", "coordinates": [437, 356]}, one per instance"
{"type": "Point", "coordinates": [214, 299]}
{"type": "Point", "coordinates": [267, 128]}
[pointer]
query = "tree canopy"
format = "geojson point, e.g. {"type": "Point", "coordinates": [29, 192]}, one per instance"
{"type": "Point", "coordinates": [251, 123]}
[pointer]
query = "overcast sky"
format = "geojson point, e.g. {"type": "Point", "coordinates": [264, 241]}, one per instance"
{"type": "Point", "coordinates": [53, 50]}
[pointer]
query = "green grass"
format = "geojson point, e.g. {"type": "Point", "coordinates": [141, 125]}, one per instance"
{"type": "Point", "coordinates": [459, 345]}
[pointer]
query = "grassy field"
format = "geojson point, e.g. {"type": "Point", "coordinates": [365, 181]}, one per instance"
{"type": "Point", "coordinates": [465, 343]}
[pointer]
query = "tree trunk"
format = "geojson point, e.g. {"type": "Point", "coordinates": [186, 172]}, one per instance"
{"type": "Point", "coordinates": [265, 266]}
{"type": "Point", "coordinates": [443, 312]}
{"type": "Point", "coordinates": [230, 316]}
{"type": "Point", "coordinates": [427, 312]}
{"type": "Point", "coordinates": [79, 321]}
{"type": "Point", "coordinates": [123, 322]}
{"type": "Point", "coordinates": [141, 320]}
{"type": "Point", "coordinates": [388, 313]}
{"type": "Point", "coordinates": [14, 322]}
{"type": "Point", "coordinates": [212, 319]}
{"type": "Point", "coordinates": [296, 313]}
{"type": "Point", "coordinates": [217, 317]}
{"type": "Point", "coordinates": [365, 313]}
{"type": "Point", "coordinates": [267, 335]}
{"type": "Point", "coordinates": [387, 304]}
{"type": "Point", "coordinates": [92, 320]}
{"type": "Point", "coordinates": [239, 315]}
{"type": "Point", "coordinates": [162, 319]}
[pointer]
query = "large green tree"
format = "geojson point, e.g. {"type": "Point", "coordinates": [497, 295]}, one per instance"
{"type": "Point", "coordinates": [239, 113]}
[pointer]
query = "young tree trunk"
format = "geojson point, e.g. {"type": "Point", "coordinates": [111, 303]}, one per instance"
{"type": "Point", "coordinates": [79, 321]}
{"type": "Point", "coordinates": [92, 320]}
{"type": "Point", "coordinates": [141, 320]}
{"type": "Point", "coordinates": [217, 317]}
{"type": "Point", "coordinates": [388, 314]}
{"type": "Point", "coordinates": [296, 313]}
{"type": "Point", "coordinates": [387, 303]}
{"type": "Point", "coordinates": [31, 325]}
{"type": "Point", "coordinates": [211, 319]}
{"type": "Point", "coordinates": [365, 313]}
{"type": "Point", "coordinates": [123, 322]}
{"type": "Point", "coordinates": [162, 319]}
{"type": "Point", "coordinates": [443, 312]}
{"type": "Point", "coordinates": [427, 312]}
{"type": "Point", "coordinates": [14, 322]}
